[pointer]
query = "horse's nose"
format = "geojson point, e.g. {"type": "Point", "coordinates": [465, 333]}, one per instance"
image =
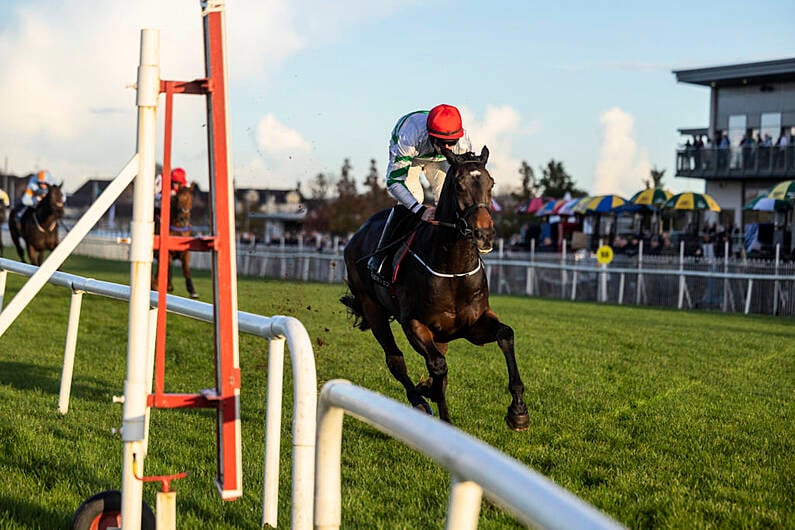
{"type": "Point", "coordinates": [485, 234]}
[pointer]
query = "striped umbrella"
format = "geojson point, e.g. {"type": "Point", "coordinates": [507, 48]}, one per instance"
{"type": "Point", "coordinates": [767, 204]}
{"type": "Point", "coordinates": [783, 190]}
{"type": "Point", "coordinates": [550, 207]}
{"type": "Point", "coordinates": [531, 206]}
{"type": "Point", "coordinates": [654, 197]}
{"type": "Point", "coordinates": [568, 207]}
{"type": "Point", "coordinates": [600, 204]}
{"type": "Point", "coordinates": [690, 200]}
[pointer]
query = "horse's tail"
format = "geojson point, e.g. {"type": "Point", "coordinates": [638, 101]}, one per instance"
{"type": "Point", "coordinates": [355, 309]}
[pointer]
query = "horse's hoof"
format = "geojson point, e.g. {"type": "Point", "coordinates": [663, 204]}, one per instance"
{"type": "Point", "coordinates": [194, 295]}
{"type": "Point", "coordinates": [424, 407]}
{"type": "Point", "coordinates": [518, 422]}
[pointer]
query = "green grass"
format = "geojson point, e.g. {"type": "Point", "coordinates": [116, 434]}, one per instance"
{"type": "Point", "coordinates": [661, 418]}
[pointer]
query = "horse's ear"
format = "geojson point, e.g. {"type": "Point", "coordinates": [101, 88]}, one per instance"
{"type": "Point", "coordinates": [451, 157]}
{"type": "Point", "coordinates": [60, 184]}
{"type": "Point", "coordinates": [484, 155]}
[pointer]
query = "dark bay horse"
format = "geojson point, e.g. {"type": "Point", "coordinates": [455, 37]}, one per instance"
{"type": "Point", "coordinates": [179, 225]}
{"type": "Point", "coordinates": [38, 226]}
{"type": "Point", "coordinates": [440, 292]}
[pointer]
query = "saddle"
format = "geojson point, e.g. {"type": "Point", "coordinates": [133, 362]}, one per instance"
{"type": "Point", "coordinates": [395, 248]}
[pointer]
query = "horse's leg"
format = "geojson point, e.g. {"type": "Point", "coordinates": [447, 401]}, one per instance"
{"type": "Point", "coordinates": [33, 255]}
{"type": "Point", "coordinates": [490, 329]}
{"type": "Point", "coordinates": [421, 339]}
{"type": "Point", "coordinates": [170, 286]}
{"type": "Point", "coordinates": [186, 273]}
{"type": "Point", "coordinates": [13, 230]}
{"type": "Point", "coordinates": [379, 325]}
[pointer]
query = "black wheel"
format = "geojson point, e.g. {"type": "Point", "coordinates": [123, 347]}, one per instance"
{"type": "Point", "coordinates": [103, 511]}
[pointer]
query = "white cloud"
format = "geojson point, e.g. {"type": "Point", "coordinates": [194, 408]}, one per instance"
{"type": "Point", "coordinates": [497, 130]}
{"type": "Point", "coordinates": [622, 165]}
{"type": "Point", "coordinates": [274, 137]}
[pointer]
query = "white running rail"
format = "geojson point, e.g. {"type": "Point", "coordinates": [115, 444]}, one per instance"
{"type": "Point", "coordinates": [476, 467]}
{"type": "Point", "coordinates": [277, 330]}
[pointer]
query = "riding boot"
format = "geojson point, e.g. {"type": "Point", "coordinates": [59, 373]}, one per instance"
{"type": "Point", "coordinates": [21, 213]}
{"type": "Point", "coordinates": [376, 262]}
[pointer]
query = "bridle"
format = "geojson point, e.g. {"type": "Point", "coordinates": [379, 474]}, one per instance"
{"type": "Point", "coordinates": [461, 224]}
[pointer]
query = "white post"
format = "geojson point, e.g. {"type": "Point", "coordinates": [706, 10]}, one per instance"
{"type": "Point", "coordinates": [142, 234]}
{"type": "Point", "coordinates": [463, 508]}
{"type": "Point", "coordinates": [640, 274]}
{"type": "Point", "coordinates": [69, 351]}
{"type": "Point", "coordinates": [748, 296]}
{"type": "Point", "coordinates": [273, 430]}
{"type": "Point", "coordinates": [725, 304]}
{"type": "Point", "coordinates": [681, 276]}
{"type": "Point", "coordinates": [563, 272]}
{"type": "Point", "coordinates": [3, 279]}
{"type": "Point", "coordinates": [328, 482]}
{"type": "Point", "coordinates": [775, 283]}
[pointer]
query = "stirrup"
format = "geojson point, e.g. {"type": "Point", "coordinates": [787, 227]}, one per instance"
{"type": "Point", "coordinates": [374, 265]}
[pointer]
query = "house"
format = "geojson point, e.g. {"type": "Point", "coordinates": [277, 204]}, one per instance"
{"type": "Point", "coordinates": [272, 215]}
{"type": "Point", "coordinates": [748, 142]}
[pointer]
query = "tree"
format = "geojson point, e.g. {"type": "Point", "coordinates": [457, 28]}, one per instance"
{"type": "Point", "coordinates": [655, 178]}
{"type": "Point", "coordinates": [556, 182]}
{"type": "Point", "coordinates": [320, 186]}
{"type": "Point", "coordinates": [377, 197]}
{"type": "Point", "coordinates": [347, 215]}
{"type": "Point", "coordinates": [530, 185]}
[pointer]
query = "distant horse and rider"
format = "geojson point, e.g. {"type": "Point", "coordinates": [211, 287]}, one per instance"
{"type": "Point", "coordinates": [437, 289]}
{"type": "Point", "coordinates": [35, 219]}
{"type": "Point", "coordinates": [179, 225]}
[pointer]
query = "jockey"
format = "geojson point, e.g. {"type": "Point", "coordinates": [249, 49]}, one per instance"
{"type": "Point", "coordinates": [416, 146]}
{"type": "Point", "coordinates": [38, 186]}
{"type": "Point", "coordinates": [178, 180]}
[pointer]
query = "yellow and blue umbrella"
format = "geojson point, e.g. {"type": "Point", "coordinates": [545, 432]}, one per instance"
{"type": "Point", "coordinates": [690, 200]}
{"type": "Point", "coordinates": [600, 204]}
{"type": "Point", "coordinates": [654, 197]}
{"type": "Point", "coordinates": [783, 190]}
{"type": "Point", "coordinates": [767, 204]}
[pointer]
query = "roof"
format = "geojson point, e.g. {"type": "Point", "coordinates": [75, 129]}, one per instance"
{"type": "Point", "coordinates": [740, 74]}
{"type": "Point", "coordinates": [693, 131]}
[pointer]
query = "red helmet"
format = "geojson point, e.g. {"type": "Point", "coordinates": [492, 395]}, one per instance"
{"type": "Point", "coordinates": [178, 176]}
{"type": "Point", "coordinates": [444, 121]}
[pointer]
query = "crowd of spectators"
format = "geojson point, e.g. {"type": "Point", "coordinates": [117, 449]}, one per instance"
{"type": "Point", "coordinates": [754, 150]}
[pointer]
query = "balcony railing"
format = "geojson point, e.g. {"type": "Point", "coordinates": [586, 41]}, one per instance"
{"type": "Point", "coordinates": [736, 162]}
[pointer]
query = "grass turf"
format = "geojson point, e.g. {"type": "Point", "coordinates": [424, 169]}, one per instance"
{"type": "Point", "coordinates": [661, 418]}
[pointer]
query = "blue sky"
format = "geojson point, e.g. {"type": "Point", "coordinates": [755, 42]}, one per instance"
{"type": "Point", "coordinates": [313, 82]}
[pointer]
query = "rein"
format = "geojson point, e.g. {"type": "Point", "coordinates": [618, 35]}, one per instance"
{"type": "Point", "coordinates": [461, 223]}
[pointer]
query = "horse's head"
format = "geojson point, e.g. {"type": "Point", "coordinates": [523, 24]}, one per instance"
{"type": "Point", "coordinates": [182, 205]}
{"type": "Point", "coordinates": [53, 201]}
{"type": "Point", "coordinates": [466, 197]}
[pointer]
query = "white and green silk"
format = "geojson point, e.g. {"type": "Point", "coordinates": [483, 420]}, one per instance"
{"type": "Point", "coordinates": [411, 153]}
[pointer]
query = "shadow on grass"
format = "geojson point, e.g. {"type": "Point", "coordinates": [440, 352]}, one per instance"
{"type": "Point", "coordinates": [47, 379]}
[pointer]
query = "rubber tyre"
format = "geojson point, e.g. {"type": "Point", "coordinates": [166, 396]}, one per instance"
{"type": "Point", "coordinates": [103, 510]}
